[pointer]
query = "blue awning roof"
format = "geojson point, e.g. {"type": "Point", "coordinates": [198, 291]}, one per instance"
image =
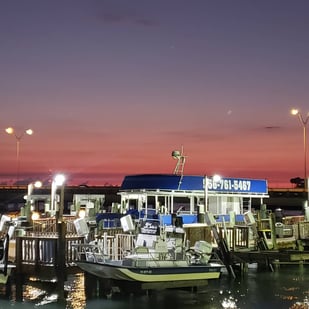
{"type": "Point", "coordinates": [162, 182]}
{"type": "Point", "coordinates": [193, 183]}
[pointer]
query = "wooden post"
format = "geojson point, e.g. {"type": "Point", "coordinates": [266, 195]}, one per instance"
{"type": "Point", "coordinates": [273, 231]}
{"type": "Point", "coordinates": [19, 275]}
{"type": "Point", "coordinates": [60, 260]}
{"type": "Point", "coordinates": [37, 252]}
{"type": "Point", "coordinates": [61, 249]}
{"type": "Point", "coordinates": [18, 254]}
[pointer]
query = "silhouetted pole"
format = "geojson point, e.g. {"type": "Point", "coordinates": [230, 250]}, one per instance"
{"type": "Point", "coordinates": [303, 121]}
{"type": "Point", "coordinates": [18, 137]}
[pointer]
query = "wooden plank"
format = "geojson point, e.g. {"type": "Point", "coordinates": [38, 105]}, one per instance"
{"type": "Point", "coordinates": [299, 257]}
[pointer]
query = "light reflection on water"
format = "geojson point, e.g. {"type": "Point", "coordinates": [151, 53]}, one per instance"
{"type": "Point", "coordinates": [76, 293]}
{"type": "Point", "coordinates": [285, 288]}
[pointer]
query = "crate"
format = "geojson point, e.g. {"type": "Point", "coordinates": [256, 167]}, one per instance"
{"type": "Point", "coordinates": [303, 228]}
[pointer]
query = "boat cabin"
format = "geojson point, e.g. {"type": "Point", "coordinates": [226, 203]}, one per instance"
{"type": "Point", "coordinates": [150, 195]}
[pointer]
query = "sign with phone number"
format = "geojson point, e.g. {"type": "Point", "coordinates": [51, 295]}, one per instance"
{"type": "Point", "coordinates": [237, 185]}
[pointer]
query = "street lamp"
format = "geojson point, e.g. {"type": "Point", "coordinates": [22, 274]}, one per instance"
{"type": "Point", "coordinates": [209, 183]}
{"type": "Point", "coordinates": [303, 121]}
{"type": "Point", "coordinates": [31, 186]}
{"type": "Point", "coordinates": [18, 137]}
{"type": "Point", "coordinates": [58, 181]}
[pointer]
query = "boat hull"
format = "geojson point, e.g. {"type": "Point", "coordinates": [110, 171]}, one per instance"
{"type": "Point", "coordinates": [151, 274]}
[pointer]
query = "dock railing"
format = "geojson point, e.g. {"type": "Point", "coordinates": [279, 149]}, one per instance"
{"type": "Point", "coordinates": [39, 247]}
{"type": "Point", "coordinates": [41, 251]}
{"type": "Point", "coordinates": [237, 237]}
{"type": "Point", "coordinates": [48, 225]}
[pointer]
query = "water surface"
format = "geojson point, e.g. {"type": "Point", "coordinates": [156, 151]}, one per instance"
{"type": "Point", "coordinates": [284, 288]}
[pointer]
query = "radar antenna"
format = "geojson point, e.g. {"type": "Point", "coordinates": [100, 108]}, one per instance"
{"type": "Point", "coordinates": [181, 160]}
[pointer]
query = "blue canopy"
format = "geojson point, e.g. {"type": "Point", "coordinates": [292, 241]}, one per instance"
{"type": "Point", "coordinates": [193, 183]}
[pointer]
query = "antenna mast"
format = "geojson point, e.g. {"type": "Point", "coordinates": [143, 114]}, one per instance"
{"type": "Point", "coordinates": [181, 160]}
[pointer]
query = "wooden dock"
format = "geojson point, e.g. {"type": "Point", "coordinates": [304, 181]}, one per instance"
{"type": "Point", "coordinates": [39, 254]}
{"type": "Point", "coordinates": [42, 253]}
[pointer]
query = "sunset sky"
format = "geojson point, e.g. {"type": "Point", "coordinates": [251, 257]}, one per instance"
{"type": "Point", "coordinates": [111, 88]}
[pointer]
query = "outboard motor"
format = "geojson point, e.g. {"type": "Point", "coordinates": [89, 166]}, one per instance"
{"type": "Point", "coordinates": [200, 253]}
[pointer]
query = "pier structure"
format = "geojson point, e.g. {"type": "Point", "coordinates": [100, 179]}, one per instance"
{"type": "Point", "coordinates": [265, 241]}
{"type": "Point", "coordinates": [176, 200]}
{"type": "Point", "coordinates": [37, 251]}
{"type": "Point", "coordinates": [241, 236]}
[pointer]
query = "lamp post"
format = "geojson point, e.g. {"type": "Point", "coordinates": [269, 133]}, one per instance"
{"type": "Point", "coordinates": [18, 137]}
{"type": "Point", "coordinates": [209, 183]}
{"type": "Point", "coordinates": [206, 193]}
{"type": "Point", "coordinates": [59, 181]}
{"type": "Point", "coordinates": [303, 121]}
{"type": "Point", "coordinates": [31, 186]}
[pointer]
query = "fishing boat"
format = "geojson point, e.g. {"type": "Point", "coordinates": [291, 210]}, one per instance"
{"type": "Point", "coordinates": [160, 259]}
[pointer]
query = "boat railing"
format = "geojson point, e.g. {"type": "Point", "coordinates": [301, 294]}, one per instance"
{"type": "Point", "coordinates": [123, 244]}
{"type": "Point", "coordinates": [91, 253]}
{"type": "Point", "coordinates": [106, 247]}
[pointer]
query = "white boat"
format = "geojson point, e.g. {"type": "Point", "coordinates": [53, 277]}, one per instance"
{"type": "Point", "coordinates": [6, 233]}
{"type": "Point", "coordinates": [160, 259]}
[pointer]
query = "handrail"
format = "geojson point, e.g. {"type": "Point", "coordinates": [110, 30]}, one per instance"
{"type": "Point", "coordinates": [42, 250]}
